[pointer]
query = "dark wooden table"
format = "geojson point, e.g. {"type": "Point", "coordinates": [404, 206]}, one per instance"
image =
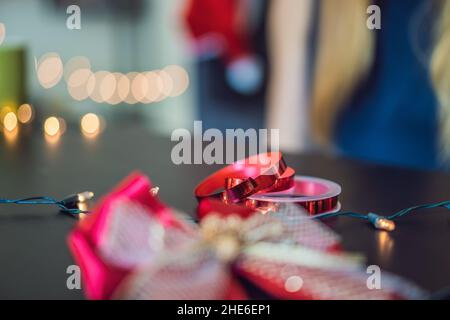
{"type": "Point", "coordinates": [33, 251]}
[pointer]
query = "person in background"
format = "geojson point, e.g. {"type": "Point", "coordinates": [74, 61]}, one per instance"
{"type": "Point", "coordinates": [379, 95]}
{"type": "Point", "coordinates": [228, 39]}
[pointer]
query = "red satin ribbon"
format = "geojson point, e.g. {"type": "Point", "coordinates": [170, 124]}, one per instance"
{"type": "Point", "coordinates": [260, 173]}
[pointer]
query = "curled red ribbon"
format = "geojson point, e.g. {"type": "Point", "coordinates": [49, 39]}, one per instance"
{"type": "Point", "coordinates": [260, 173]}
{"type": "Point", "coordinates": [263, 180]}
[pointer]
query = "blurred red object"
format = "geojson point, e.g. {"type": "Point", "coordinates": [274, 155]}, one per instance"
{"type": "Point", "coordinates": [135, 247]}
{"type": "Point", "coordinates": [92, 238]}
{"type": "Point", "coordinates": [217, 23]}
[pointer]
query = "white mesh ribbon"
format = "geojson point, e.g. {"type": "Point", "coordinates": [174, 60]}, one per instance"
{"type": "Point", "coordinates": [134, 236]}
{"type": "Point", "coordinates": [285, 249]}
{"type": "Point", "coordinates": [188, 275]}
{"type": "Point", "coordinates": [326, 284]}
{"type": "Point", "coordinates": [303, 229]}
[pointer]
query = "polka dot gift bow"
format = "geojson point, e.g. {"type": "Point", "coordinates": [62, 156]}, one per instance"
{"type": "Point", "coordinates": [134, 247]}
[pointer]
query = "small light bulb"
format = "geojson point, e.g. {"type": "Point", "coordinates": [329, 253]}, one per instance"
{"type": "Point", "coordinates": [85, 196]}
{"type": "Point", "coordinates": [154, 191]}
{"type": "Point", "coordinates": [381, 223]}
{"type": "Point", "coordinates": [385, 224]}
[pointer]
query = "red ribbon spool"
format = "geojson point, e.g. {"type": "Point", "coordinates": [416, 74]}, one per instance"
{"type": "Point", "coordinates": [264, 180]}
{"type": "Point", "coordinates": [315, 195]}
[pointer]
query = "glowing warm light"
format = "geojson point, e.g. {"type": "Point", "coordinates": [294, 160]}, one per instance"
{"type": "Point", "coordinates": [95, 95]}
{"type": "Point", "coordinates": [49, 70]}
{"type": "Point", "coordinates": [108, 86]}
{"type": "Point", "coordinates": [83, 206]}
{"type": "Point", "coordinates": [10, 121]}
{"type": "Point", "coordinates": [25, 113]}
{"type": "Point", "coordinates": [90, 124]}
{"type": "Point", "coordinates": [123, 87]}
{"type": "Point", "coordinates": [167, 84]}
{"type": "Point", "coordinates": [180, 79]}
{"type": "Point", "coordinates": [113, 88]}
{"type": "Point", "coordinates": [130, 99]}
{"type": "Point", "coordinates": [75, 64]}
{"type": "Point", "coordinates": [62, 126]}
{"type": "Point", "coordinates": [139, 88]}
{"type": "Point", "coordinates": [81, 84]}
{"type": "Point", "coordinates": [154, 191]}
{"type": "Point", "coordinates": [120, 92]}
{"type": "Point", "coordinates": [52, 126]}
{"type": "Point", "coordinates": [384, 224]}
{"type": "Point", "coordinates": [2, 32]}
{"type": "Point", "coordinates": [105, 86]}
{"type": "Point", "coordinates": [52, 140]}
{"type": "Point", "coordinates": [155, 86]}
{"type": "Point", "coordinates": [4, 110]}
{"type": "Point", "coordinates": [11, 136]}
{"type": "Point", "coordinates": [78, 78]}
{"type": "Point", "coordinates": [85, 196]}
{"type": "Point", "coordinates": [385, 245]}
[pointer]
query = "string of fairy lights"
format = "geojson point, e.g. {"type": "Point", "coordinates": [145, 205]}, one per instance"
{"type": "Point", "coordinates": [53, 127]}
{"type": "Point", "coordinates": [110, 87]}
{"type": "Point", "coordinates": [83, 83]}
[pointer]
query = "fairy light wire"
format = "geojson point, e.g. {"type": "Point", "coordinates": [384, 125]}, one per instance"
{"type": "Point", "coordinates": [67, 205]}
{"type": "Point", "coordinates": [384, 222]}
{"type": "Point", "coordinates": [70, 205]}
{"type": "Point", "coordinates": [394, 216]}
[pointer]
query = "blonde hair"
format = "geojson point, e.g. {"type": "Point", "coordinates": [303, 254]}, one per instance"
{"type": "Point", "coordinates": [344, 57]}
{"type": "Point", "coordinates": [440, 74]}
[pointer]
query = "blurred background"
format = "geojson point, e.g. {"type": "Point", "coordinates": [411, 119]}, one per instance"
{"type": "Point", "coordinates": [344, 78]}
{"type": "Point", "coordinates": [122, 37]}
{"type": "Point", "coordinates": [117, 36]}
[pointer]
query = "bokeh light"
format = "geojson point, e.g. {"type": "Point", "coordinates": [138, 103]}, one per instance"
{"type": "Point", "coordinates": [90, 124]}
{"type": "Point", "coordinates": [108, 86]}
{"type": "Point", "coordinates": [155, 86]}
{"type": "Point", "coordinates": [62, 126]}
{"type": "Point", "coordinates": [11, 136]}
{"type": "Point", "coordinates": [123, 87]}
{"type": "Point", "coordinates": [49, 70]}
{"type": "Point", "coordinates": [115, 87]}
{"type": "Point", "coordinates": [52, 126]}
{"type": "Point", "coordinates": [81, 84]}
{"type": "Point", "coordinates": [2, 32]}
{"type": "Point", "coordinates": [180, 79]}
{"type": "Point", "coordinates": [10, 121]}
{"type": "Point", "coordinates": [130, 99]}
{"type": "Point", "coordinates": [25, 113]}
{"type": "Point", "coordinates": [105, 86]}
{"type": "Point", "coordinates": [74, 64]}
{"type": "Point", "coordinates": [116, 97]}
{"type": "Point", "coordinates": [293, 284]}
{"type": "Point", "coordinates": [139, 88]}
{"type": "Point", "coordinates": [167, 84]}
{"type": "Point", "coordinates": [79, 77]}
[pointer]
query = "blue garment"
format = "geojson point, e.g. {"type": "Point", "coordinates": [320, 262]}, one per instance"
{"type": "Point", "coordinates": [393, 117]}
